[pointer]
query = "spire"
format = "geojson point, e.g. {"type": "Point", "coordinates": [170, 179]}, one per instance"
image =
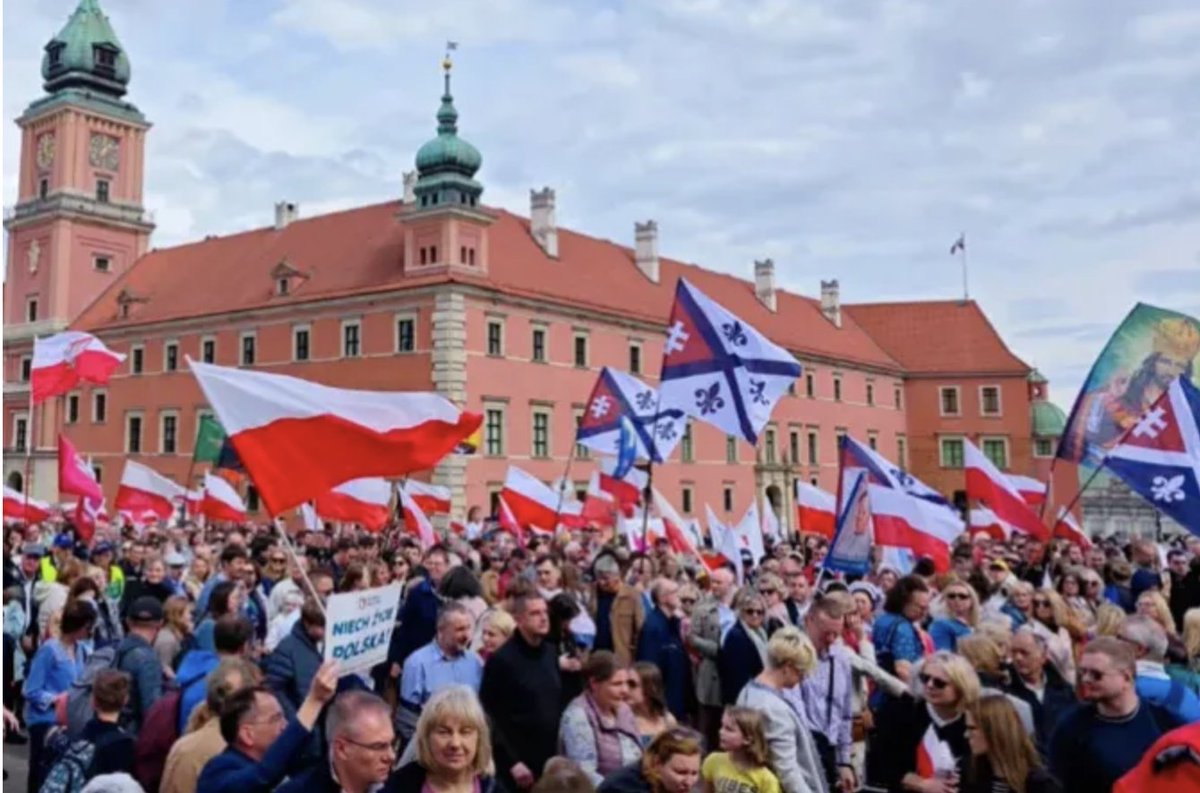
{"type": "Point", "coordinates": [86, 54]}
{"type": "Point", "coordinates": [447, 115]}
{"type": "Point", "coordinates": [446, 165]}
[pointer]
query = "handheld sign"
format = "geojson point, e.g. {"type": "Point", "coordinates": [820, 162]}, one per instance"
{"type": "Point", "coordinates": [358, 627]}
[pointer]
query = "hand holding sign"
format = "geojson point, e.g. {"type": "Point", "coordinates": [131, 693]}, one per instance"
{"type": "Point", "coordinates": [324, 686]}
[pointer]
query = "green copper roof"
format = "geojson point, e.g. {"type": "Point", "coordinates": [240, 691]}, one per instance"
{"type": "Point", "coordinates": [1037, 377]}
{"type": "Point", "coordinates": [1048, 419]}
{"type": "Point", "coordinates": [448, 160]}
{"type": "Point", "coordinates": [86, 54]}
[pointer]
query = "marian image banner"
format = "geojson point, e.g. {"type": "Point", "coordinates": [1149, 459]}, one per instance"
{"type": "Point", "coordinates": [1151, 348]}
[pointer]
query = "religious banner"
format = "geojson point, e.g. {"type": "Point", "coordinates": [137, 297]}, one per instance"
{"type": "Point", "coordinates": [358, 627]}
{"type": "Point", "coordinates": [850, 549]}
{"type": "Point", "coordinates": [1151, 348]}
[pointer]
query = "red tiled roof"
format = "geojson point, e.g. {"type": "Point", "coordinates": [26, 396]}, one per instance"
{"type": "Point", "coordinates": [360, 251]}
{"type": "Point", "coordinates": [938, 336]}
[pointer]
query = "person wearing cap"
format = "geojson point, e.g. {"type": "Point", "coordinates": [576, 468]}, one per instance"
{"type": "Point", "coordinates": [176, 567]}
{"type": "Point", "coordinates": [137, 658]}
{"type": "Point", "coordinates": [61, 551]}
{"type": "Point", "coordinates": [102, 557]}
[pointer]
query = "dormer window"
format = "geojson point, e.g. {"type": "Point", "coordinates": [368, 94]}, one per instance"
{"type": "Point", "coordinates": [281, 286]}
{"type": "Point", "coordinates": [54, 51]}
{"type": "Point", "coordinates": [287, 277]}
{"type": "Point", "coordinates": [105, 58]}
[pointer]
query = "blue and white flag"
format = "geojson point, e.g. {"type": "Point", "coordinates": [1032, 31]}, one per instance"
{"type": "Point", "coordinates": [617, 395]}
{"type": "Point", "coordinates": [720, 369]}
{"type": "Point", "coordinates": [850, 549]}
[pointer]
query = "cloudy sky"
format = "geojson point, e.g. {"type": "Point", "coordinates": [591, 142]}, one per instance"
{"type": "Point", "coordinates": [845, 138]}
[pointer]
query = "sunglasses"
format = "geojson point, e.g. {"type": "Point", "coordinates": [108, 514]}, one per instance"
{"type": "Point", "coordinates": [936, 683]}
{"type": "Point", "coordinates": [1041, 602]}
{"type": "Point", "coordinates": [754, 612]}
{"type": "Point", "coordinates": [688, 601]}
{"type": "Point", "coordinates": [957, 596]}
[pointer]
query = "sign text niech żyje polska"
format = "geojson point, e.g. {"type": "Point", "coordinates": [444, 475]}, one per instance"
{"type": "Point", "coordinates": [358, 627]}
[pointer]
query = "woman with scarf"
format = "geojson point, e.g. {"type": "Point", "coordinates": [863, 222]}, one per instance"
{"type": "Point", "coordinates": [743, 652]}
{"type": "Point", "coordinates": [598, 729]}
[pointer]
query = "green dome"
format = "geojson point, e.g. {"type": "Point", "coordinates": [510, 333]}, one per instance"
{"type": "Point", "coordinates": [86, 54]}
{"type": "Point", "coordinates": [448, 152]}
{"type": "Point", "coordinates": [446, 165]}
{"type": "Point", "coordinates": [1048, 419]}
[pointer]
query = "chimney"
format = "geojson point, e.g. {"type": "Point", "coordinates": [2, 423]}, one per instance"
{"type": "Point", "coordinates": [285, 213]}
{"type": "Point", "coordinates": [410, 184]}
{"type": "Point", "coordinates": [764, 282]}
{"type": "Point", "coordinates": [542, 224]}
{"type": "Point", "coordinates": [831, 302]}
{"type": "Point", "coordinates": [645, 236]}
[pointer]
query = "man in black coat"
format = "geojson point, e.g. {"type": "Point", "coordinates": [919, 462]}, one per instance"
{"type": "Point", "coordinates": [521, 694]}
{"type": "Point", "coordinates": [1034, 680]}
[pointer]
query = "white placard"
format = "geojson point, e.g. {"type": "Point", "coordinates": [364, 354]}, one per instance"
{"type": "Point", "coordinates": [358, 627]}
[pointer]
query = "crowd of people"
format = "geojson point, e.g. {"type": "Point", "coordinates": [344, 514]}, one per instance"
{"type": "Point", "coordinates": [189, 659]}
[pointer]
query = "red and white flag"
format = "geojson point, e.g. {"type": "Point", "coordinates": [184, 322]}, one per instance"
{"type": "Point", "coordinates": [533, 504]}
{"type": "Point", "coordinates": [682, 534]}
{"type": "Point", "coordinates": [1067, 528]}
{"type": "Point", "coordinates": [365, 501]}
{"type": "Point", "coordinates": [88, 514]}
{"type": "Point", "coordinates": [599, 506]}
{"type": "Point", "coordinates": [415, 522]}
{"type": "Point", "coordinates": [986, 483]}
{"type": "Point", "coordinates": [299, 439]}
{"type": "Point", "coordinates": [984, 521]}
{"type": "Point", "coordinates": [933, 756]}
{"type": "Point", "coordinates": [433, 499]}
{"type": "Point", "coordinates": [816, 510]}
{"type": "Point", "coordinates": [64, 360]}
{"type": "Point", "coordinates": [74, 475]}
{"type": "Point", "coordinates": [191, 502]}
{"type": "Point", "coordinates": [508, 521]}
{"type": "Point", "coordinates": [221, 501]}
{"type": "Point", "coordinates": [145, 490]}
{"type": "Point", "coordinates": [1032, 490]}
{"type": "Point", "coordinates": [18, 508]}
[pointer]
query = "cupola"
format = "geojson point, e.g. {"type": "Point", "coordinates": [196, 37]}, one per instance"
{"type": "Point", "coordinates": [446, 165]}
{"type": "Point", "coordinates": [86, 54]}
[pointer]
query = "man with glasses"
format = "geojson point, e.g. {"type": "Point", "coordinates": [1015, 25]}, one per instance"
{"type": "Point", "coordinates": [1097, 743]}
{"type": "Point", "coordinates": [361, 741]}
{"type": "Point", "coordinates": [799, 594]}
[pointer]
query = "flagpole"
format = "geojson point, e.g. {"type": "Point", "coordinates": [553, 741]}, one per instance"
{"type": "Point", "coordinates": [287, 542]}
{"type": "Point", "coordinates": [962, 251]}
{"type": "Point", "coordinates": [648, 492]}
{"type": "Point", "coordinates": [31, 434]}
{"type": "Point", "coordinates": [562, 485]}
{"type": "Point", "coordinates": [1095, 472]}
{"type": "Point", "coordinates": [1049, 490]}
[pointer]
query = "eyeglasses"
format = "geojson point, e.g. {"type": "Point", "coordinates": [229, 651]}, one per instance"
{"type": "Point", "coordinates": [1041, 602]}
{"type": "Point", "coordinates": [375, 748]}
{"type": "Point", "coordinates": [688, 601]}
{"type": "Point", "coordinates": [1091, 674]}
{"type": "Point", "coordinates": [754, 612]}
{"type": "Point", "coordinates": [936, 683]}
{"type": "Point", "coordinates": [278, 560]}
{"type": "Point", "coordinates": [274, 718]}
{"type": "Point", "coordinates": [957, 596]}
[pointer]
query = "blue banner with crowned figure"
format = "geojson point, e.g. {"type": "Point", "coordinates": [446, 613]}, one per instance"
{"type": "Point", "coordinates": [1151, 348]}
{"type": "Point", "coordinates": [850, 549]}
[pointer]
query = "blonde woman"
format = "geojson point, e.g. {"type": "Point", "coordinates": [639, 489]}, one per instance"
{"type": "Point", "coordinates": [1051, 615]}
{"type": "Point", "coordinates": [1002, 755]}
{"type": "Point", "coordinates": [196, 577]}
{"type": "Point", "coordinates": [960, 605]}
{"type": "Point", "coordinates": [1152, 604]}
{"type": "Point", "coordinates": [1108, 620]}
{"type": "Point", "coordinates": [495, 627]}
{"type": "Point", "coordinates": [1191, 638]}
{"type": "Point", "coordinates": [984, 656]}
{"type": "Point", "coordinates": [453, 746]}
{"type": "Point", "coordinates": [176, 631]}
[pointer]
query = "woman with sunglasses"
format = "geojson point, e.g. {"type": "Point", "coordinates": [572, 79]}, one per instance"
{"type": "Point", "coordinates": [1002, 756]}
{"type": "Point", "coordinates": [1051, 616]}
{"type": "Point", "coordinates": [743, 652]}
{"type": "Point", "coordinates": [961, 615]}
{"type": "Point", "coordinates": [771, 587]}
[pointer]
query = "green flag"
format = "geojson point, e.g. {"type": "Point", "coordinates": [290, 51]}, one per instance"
{"type": "Point", "coordinates": [210, 437]}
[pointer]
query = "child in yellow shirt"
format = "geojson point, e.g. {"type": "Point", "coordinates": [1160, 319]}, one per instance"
{"type": "Point", "coordinates": [741, 765]}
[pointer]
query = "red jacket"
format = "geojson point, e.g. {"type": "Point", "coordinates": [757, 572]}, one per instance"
{"type": "Point", "coordinates": [1172, 763]}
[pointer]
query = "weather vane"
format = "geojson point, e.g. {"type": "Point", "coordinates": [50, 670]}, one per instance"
{"type": "Point", "coordinates": [451, 46]}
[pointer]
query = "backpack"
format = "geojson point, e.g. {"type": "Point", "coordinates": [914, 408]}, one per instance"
{"type": "Point", "coordinates": [78, 710]}
{"type": "Point", "coordinates": [160, 729]}
{"type": "Point", "coordinates": [71, 761]}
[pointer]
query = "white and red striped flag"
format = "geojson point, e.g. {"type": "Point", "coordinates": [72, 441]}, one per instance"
{"type": "Point", "coordinates": [433, 499]}
{"type": "Point", "coordinates": [191, 502]}
{"type": "Point", "coordinates": [682, 534]}
{"type": "Point", "coordinates": [19, 508]}
{"type": "Point", "coordinates": [749, 532]}
{"type": "Point", "coordinates": [1067, 528]}
{"type": "Point", "coordinates": [74, 475]}
{"type": "Point", "coordinates": [986, 483]}
{"type": "Point", "coordinates": [508, 521]}
{"type": "Point", "coordinates": [299, 439]}
{"type": "Point", "coordinates": [64, 360]}
{"type": "Point", "coordinates": [145, 490]}
{"type": "Point", "coordinates": [533, 504]}
{"type": "Point", "coordinates": [415, 521]}
{"type": "Point", "coordinates": [984, 521]}
{"type": "Point", "coordinates": [816, 510]}
{"type": "Point", "coordinates": [365, 501]}
{"type": "Point", "coordinates": [221, 501]}
{"type": "Point", "coordinates": [1033, 491]}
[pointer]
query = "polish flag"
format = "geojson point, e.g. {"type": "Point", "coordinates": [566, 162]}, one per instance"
{"type": "Point", "coordinates": [984, 521]}
{"type": "Point", "coordinates": [364, 501]}
{"type": "Point", "coordinates": [1032, 490]}
{"type": "Point", "coordinates": [816, 510]}
{"type": "Point", "coordinates": [933, 756]}
{"type": "Point", "coordinates": [986, 483]}
{"type": "Point", "coordinates": [770, 522]}
{"type": "Point", "coordinates": [681, 534]}
{"type": "Point", "coordinates": [433, 499]}
{"type": "Point", "coordinates": [1067, 528]}
{"type": "Point", "coordinates": [74, 475]}
{"type": "Point", "coordinates": [145, 490]}
{"type": "Point", "coordinates": [299, 440]}
{"type": "Point", "coordinates": [626, 490]}
{"type": "Point", "coordinates": [88, 513]}
{"type": "Point", "coordinates": [221, 501]}
{"type": "Point", "coordinates": [415, 521]}
{"type": "Point", "coordinates": [534, 504]}
{"type": "Point", "coordinates": [508, 521]}
{"type": "Point", "coordinates": [64, 360]}
{"type": "Point", "coordinates": [598, 506]}
{"type": "Point", "coordinates": [20, 509]}
{"type": "Point", "coordinates": [309, 519]}
{"type": "Point", "coordinates": [191, 502]}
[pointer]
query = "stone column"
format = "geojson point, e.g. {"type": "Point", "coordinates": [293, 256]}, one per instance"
{"type": "Point", "coordinates": [449, 362]}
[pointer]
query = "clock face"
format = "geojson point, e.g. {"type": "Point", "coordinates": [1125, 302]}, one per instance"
{"type": "Point", "coordinates": [104, 152]}
{"type": "Point", "coordinates": [45, 151]}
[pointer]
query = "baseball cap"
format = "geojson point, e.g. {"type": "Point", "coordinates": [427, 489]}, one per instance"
{"type": "Point", "coordinates": [104, 546]}
{"type": "Point", "coordinates": [64, 541]}
{"type": "Point", "coordinates": [175, 559]}
{"type": "Point", "coordinates": [146, 609]}
{"type": "Point", "coordinates": [999, 564]}
{"type": "Point", "coordinates": [33, 549]}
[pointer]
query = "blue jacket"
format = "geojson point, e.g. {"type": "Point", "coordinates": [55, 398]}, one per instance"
{"type": "Point", "coordinates": [192, 678]}
{"type": "Point", "coordinates": [1153, 685]}
{"type": "Point", "coordinates": [290, 669]}
{"type": "Point", "coordinates": [418, 622]}
{"type": "Point", "coordinates": [1058, 699]}
{"type": "Point", "coordinates": [946, 631]}
{"type": "Point", "coordinates": [51, 673]}
{"type": "Point", "coordinates": [233, 772]}
{"type": "Point", "coordinates": [661, 644]}
{"type": "Point", "coordinates": [738, 662]}
{"type": "Point", "coordinates": [140, 662]}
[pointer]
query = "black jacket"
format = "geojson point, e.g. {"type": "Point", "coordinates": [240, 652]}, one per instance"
{"type": "Point", "coordinates": [738, 662]}
{"type": "Point", "coordinates": [981, 776]}
{"type": "Point", "coordinates": [522, 694]}
{"type": "Point", "coordinates": [626, 780]}
{"type": "Point", "coordinates": [114, 748]}
{"type": "Point", "coordinates": [1057, 699]}
{"type": "Point", "coordinates": [410, 778]}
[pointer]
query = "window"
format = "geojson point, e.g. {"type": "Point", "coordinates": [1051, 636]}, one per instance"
{"type": "Point", "coordinates": [541, 434]}
{"type": "Point", "coordinates": [251, 498]}
{"type": "Point", "coordinates": [350, 339]}
{"type": "Point", "coordinates": [281, 286]}
{"type": "Point", "coordinates": [102, 264]}
{"type": "Point", "coordinates": [494, 432]}
{"type": "Point", "coordinates": [837, 388]}
{"type": "Point", "coordinates": [902, 453]}
{"type": "Point", "coordinates": [248, 349]}
{"type": "Point", "coordinates": [106, 58]}
{"type": "Point", "coordinates": [685, 445]}
{"type": "Point", "coordinates": [996, 450]}
{"type": "Point", "coordinates": [169, 433]}
{"type": "Point", "coordinates": [581, 452]}
{"type": "Point", "coordinates": [769, 446]}
{"type": "Point", "coordinates": [949, 399]}
{"type": "Point", "coordinates": [495, 337]}
{"type": "Point", "coordinates": [55, 51]}
{"type": "Point", "coordinates": [406, 334]}
{"type": "Point", "coordinates": [635, 358]}
{"type": "Point", "coordinates": [793, 447]}
{"type": "Point", "coordinates": [300, 339]}
{"type": "Point", "coordinates": [26, 368]}
{"type": "Point", "coordinates": [581, 351]}
{"type": "Point", "coordinates": [1043, 447]}
{"type": "Point", "coordinates": [137, 359]}
{"type": "Point", "coordinates": [433, 253]}
{"type": "Point", "coordinates": [731, 455]}
{"type": "Point", "coordinates": [896, 400]}
{"type": "Point", "coordinates": [171, 356]}
{"type": "Point", "coordinates": [814, 453]}
{"type": "Point", "coordinates": [133, 433]}
{"type": "Point", "coordinates": [102, 191]}
{"type": "Point", "coordinates": [98, 473]}
{"type": "Point", "coordinates": [873, 441]}
{"type": "Point", "coordinates": [72, 408]}
{"type": "Point", "coordinates": [99, 407]}
{"type": "Point", "coordinates": [989, 400]}
{"type": "Point", "coordinates": [20, 432]}
{"type": "Point", "coordinates": [539, 345]}
{"type": "Point", "coordinates": [727, 498]}
{"type": "Point", "coordinates": [871, 394]}
{"type": "Point", "coordinates": [952, 453]}
{"type": "Point", "coordinates": [810, 384]}
{"type": "Point", "coordinates": [31, 309]}
{"type": "Point", "coordinates": [43, 188]}
{"type": "Point", "coordinates": [685, 499]}
{"type": "Point", "coordinates": [208, 350]}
